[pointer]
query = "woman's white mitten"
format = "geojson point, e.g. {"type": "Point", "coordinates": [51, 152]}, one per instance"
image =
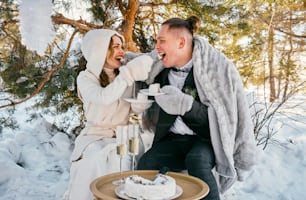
{"type": "Point", "coordinates": [126, 75]}
{"type": "Point", "coordinates": [137, 69]}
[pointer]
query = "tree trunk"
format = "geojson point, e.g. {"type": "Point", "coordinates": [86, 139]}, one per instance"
{"type": "Point", "coordinates": [270, 60]}
{"type": "Point", "coordinates": [128, 24]}
{"type": "Point", "coordinates": [279, 84]}
{"type": "Point", "coordinates": [271, 70]}
{"type": "Point", "coordinates": [288, 63]}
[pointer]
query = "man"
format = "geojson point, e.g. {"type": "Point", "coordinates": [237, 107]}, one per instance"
{"type": "Point", "coordinates": [203, 121]}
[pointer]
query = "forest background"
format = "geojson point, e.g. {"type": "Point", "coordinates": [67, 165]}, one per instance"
{"type": "Point", "coordinates": [265, 39]}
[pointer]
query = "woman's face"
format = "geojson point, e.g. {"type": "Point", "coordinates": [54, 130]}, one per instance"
{"type": "Point", "coordinates": [115, 53]}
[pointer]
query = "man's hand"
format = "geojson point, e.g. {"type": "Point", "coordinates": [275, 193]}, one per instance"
{"type": "Point", "coordinates": [174, 101]}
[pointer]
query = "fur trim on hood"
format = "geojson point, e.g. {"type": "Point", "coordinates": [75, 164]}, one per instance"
{"type": "Point", "coordinates": [94, 48]}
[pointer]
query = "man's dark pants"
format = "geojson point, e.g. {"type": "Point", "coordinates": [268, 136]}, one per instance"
{"type": "Point", "coordinates": [181, 152]}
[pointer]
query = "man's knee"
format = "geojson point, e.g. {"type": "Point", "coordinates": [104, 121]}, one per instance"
{"type": "Point", "coordinates": [146, 163]}
{"type": "Point", "coordinates": [204, 161]}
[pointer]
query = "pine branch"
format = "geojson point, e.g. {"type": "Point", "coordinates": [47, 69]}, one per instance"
{"type": "Point", "coordinates": [80, 24]}
{"type": "Point", "coordinates": [48, 75]}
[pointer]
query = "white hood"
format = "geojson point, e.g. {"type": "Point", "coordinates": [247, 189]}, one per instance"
{"type": "Point", "coordinates": [94, 48]}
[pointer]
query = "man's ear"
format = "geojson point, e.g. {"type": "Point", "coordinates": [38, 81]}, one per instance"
{"type": "Point", "coordinates": [182, 42]}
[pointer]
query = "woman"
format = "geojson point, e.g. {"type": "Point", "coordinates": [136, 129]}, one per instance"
{"type": "Point", "coordinates": [102, 88]}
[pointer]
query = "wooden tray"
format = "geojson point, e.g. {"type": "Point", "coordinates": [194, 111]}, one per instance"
{"type": "Point", "coordinates": [193, 188]}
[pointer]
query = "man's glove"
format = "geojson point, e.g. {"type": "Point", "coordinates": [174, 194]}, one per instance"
{"type": "Point", "coordinates": [137, 69]}
{"type": "Point", "coordinates": [174, 101]}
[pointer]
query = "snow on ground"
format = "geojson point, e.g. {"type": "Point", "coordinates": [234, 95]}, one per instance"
{"type": "Point", "coordinates": [34, 159]}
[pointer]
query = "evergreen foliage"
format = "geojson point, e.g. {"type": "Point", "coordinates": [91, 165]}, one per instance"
{"type": "Point", "coordinates": [237, 28]}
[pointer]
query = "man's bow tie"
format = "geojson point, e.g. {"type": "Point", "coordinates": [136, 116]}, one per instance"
{"type": "Point", "coordinates": [179, 70]}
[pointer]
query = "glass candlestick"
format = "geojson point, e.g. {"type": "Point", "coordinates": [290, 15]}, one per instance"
{"type": "Point", "coordinates": [133, 142]}
{"type": "Point", "coordinates": [121, 142]}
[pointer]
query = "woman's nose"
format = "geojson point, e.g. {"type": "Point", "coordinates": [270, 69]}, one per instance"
{"type": "Point", "coordinates": [122, 51]}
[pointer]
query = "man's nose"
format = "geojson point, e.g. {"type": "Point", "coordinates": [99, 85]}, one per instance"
{"type": "Point", "coordinates": [156, 45]}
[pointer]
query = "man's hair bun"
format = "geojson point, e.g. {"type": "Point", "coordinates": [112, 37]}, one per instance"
{"type": "Point", "coordinates": [194, 23]}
